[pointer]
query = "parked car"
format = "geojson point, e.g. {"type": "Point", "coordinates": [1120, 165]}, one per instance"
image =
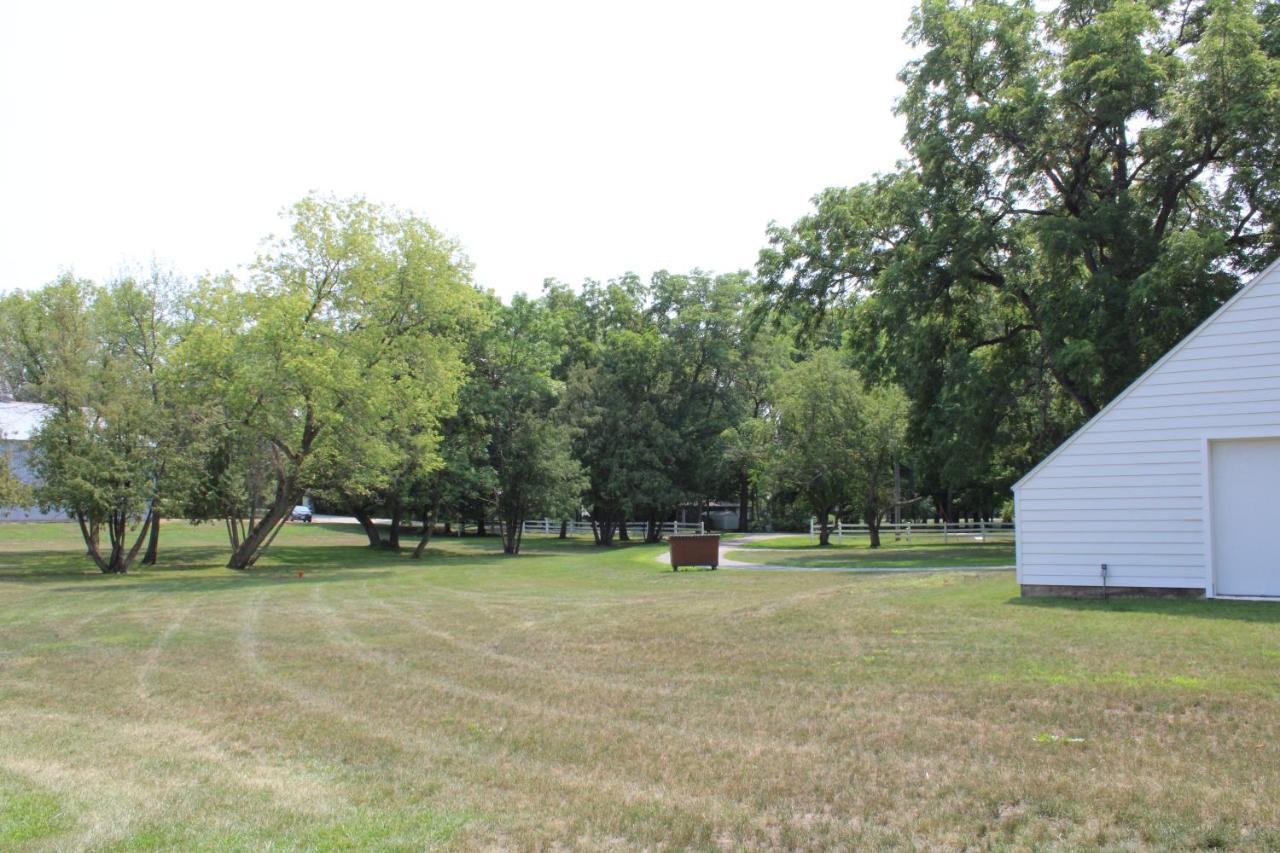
{"type": "Point", "coordinates": [301, 513]}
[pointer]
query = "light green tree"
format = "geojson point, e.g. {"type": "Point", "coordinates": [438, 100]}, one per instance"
{"type": "Point", "coordinates": [836, 440]}
{"type": "Point", "coordinates": [349, 327]}
{"type": "Point", "coordinates": [101, 453]}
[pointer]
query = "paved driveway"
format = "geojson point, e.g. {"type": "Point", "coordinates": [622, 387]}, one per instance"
{"type": "Point", "coordinates": [727, 563]}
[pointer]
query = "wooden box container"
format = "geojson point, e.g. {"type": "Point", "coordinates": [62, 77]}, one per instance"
{"type": "Point", "coordinates": [701, 549]}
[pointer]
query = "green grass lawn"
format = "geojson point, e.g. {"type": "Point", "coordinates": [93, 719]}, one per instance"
{"type": "Point", "coordinates": [578, 698]}
{"type": "Point", "coordinates": [801, 540]}
{"type": "Point", "coordinates": [888, 556]}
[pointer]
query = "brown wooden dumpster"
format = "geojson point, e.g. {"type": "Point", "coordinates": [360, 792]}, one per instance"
{"type": "Point", "coordinates": [701, 549]}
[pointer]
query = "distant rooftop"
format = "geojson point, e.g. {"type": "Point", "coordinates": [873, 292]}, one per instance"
{"type": "Point", "coordinates": [19, 420]}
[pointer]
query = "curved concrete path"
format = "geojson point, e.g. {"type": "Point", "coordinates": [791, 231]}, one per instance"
{"type": "Point", "coordinates": [727, 563]}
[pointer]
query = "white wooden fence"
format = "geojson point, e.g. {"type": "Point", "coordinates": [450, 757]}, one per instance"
{"type": "Point", "coordinates": [635, 529]}
{"type": "Point", "coordinates": [912, 532]}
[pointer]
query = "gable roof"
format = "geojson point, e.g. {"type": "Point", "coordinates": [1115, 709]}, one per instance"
{"type": "Point", "coordinates": [18, 421]}
{"type": "Point", "coordinates": [1192, 335]}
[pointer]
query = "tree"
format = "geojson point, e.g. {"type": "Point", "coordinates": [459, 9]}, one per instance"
{"type": "Point", "coordinates": [878, 447]}
{"type": "Point", "coordinates": [815, 416]}
{"type": "Point", "coordinates": [836, 440]}
{"type": "Point", "coordinates": [139, 320]}
{"type": "Point", "coordinates": [651, 390]}
{"type": "Point", "coordinates": [762, 354]}
{"type": "Point", "coordinates": [349, 321]}
{"type": "Point", "coordinates": [101, 453]}
{"type": "Point", "coordinates": [618, 414]}
{"type": "Point", "coordinates": [1084, 185]}
{"type": "Point", "coordinates": [537, 474]}
{"type": "Point", "coordinates": [713, 372]}
{"type": "Point", "coordinates": [513, 391]}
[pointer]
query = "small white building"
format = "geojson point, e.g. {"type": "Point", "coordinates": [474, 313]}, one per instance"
{"type": "Point", "coordinates": [18, 421]}
{"type": "Point", "coordinates": [1173, 486]}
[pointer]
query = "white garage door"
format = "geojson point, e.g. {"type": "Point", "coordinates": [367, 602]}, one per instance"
{"type": "Point", "coordinates": [1246, 551]}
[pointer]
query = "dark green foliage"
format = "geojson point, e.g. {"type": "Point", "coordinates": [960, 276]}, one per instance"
{"type": "Point", "coordinates": [1085, 184]}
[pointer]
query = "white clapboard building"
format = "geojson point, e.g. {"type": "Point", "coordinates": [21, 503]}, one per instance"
{"type": "Point", "coordinates": [1172, 487]}
{"type": "Point", "coordinates": [17, 423]}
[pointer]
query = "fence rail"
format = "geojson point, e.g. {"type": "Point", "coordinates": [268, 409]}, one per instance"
{"type": "Point", "coordinates": [911, 532]}
{"type": "Point", "coordinates": [635, 529]}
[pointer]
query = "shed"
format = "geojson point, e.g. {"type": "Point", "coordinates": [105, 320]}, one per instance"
{"type": "Point", "coordinates": [1171, 488]}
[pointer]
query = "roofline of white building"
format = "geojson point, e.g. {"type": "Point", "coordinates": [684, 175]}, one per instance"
{"type": "Point", "coordinates": [1239, 294]}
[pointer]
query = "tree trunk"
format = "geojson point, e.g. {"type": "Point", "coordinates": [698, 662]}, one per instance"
{"type": "Point", "coordinates": [744, 501]}
{"type": "Point", "coordinates": [480, 531]}
{"type": "Point", "coordinates": [512, 524]}
{"type": "Point", "coordinates": [153, 544]}
{"type": "Point", "coordinates": [623, 534]}
{"type": "Point", "coordinates": [262, 534]}
{"type": "Point", "coordinates": [91, 535]}
{"type": "Point", "coordinates": [370, 529]}
{"type": "Point", "coordinates": [393, 535]}
{"type": "Point", "coordinates": [602, 524]}
{"type": "Point", "coordinates": [120, 559]}
{"type": "Point", "coordinates": [428, 524]}
{"type": "Point", "coordinates": [824, 531]}
{"type": "Point", "coordinates": [873, 528]}
{"type": "Point", "coordinates": [235, 531]}
{"type": "Point", "coordinates": [564, 529]}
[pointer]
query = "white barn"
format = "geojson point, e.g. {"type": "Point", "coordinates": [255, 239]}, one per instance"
{"type": "Point", "coordinates": [1172, 487]}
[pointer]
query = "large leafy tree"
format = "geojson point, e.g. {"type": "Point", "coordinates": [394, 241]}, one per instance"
{"type": "Point", "coordinates": [715, 369]}
{"type": "Point", "coordinates": [617, 413]}
{"type": "Point", "coordinates": [652, 371]}
{"type": "Point", "coordinates": [512, 388]}
{"type": "Point", "coordinates": [107, 452]}
{"type": "Point", "coordinates": [836, 440]}
{"type": "Point", "coordinates": [1085, 183]}
{"type": "Point", "coordinates": [815, 423]}
{"type": "Point", "coordinates": [348, 330]}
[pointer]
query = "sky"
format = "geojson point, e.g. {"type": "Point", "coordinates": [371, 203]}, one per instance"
{"type": "Point", "coordinates": [566, 140]}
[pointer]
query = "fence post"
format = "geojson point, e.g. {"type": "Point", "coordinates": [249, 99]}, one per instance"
{"type": "Point", "coordinates": [839, 531]}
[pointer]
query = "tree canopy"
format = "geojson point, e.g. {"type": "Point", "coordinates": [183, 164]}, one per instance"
{"type": "Point", "coordinates": [1084, 184]}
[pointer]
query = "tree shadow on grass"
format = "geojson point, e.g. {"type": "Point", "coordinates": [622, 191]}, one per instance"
{"type": "Point", "coordinates": [1263, 612]}
{"type": "Point", "coordinates": [231, 580]}
{"type": "Point", "coordinates": [202, 569]}
{"type": "Point", "coordinates": [189, 567]}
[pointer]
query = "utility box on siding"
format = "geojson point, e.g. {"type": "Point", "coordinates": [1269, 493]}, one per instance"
{"type": "Point", "coordinates": [1169, 487]}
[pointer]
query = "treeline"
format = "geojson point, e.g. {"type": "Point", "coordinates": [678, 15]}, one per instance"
{"type": "Point", "coordinates": [358, 365]}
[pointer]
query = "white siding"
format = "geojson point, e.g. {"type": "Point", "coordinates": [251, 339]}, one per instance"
{"type": "Point", "coordinates": [1129, 488]}
{"type": "Point", "coordinates": [16, 451]}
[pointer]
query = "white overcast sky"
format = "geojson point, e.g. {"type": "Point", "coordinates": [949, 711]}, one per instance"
{"type": "Point", "coordinates": [552, 139]}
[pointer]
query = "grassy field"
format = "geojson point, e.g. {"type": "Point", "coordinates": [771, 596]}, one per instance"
{"type": "Point", "coordinates": [578, 699]}
{"type": "Point", "coordinates": [887, 556]}
{"type": "Point", "coordinates": [802, 541]}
